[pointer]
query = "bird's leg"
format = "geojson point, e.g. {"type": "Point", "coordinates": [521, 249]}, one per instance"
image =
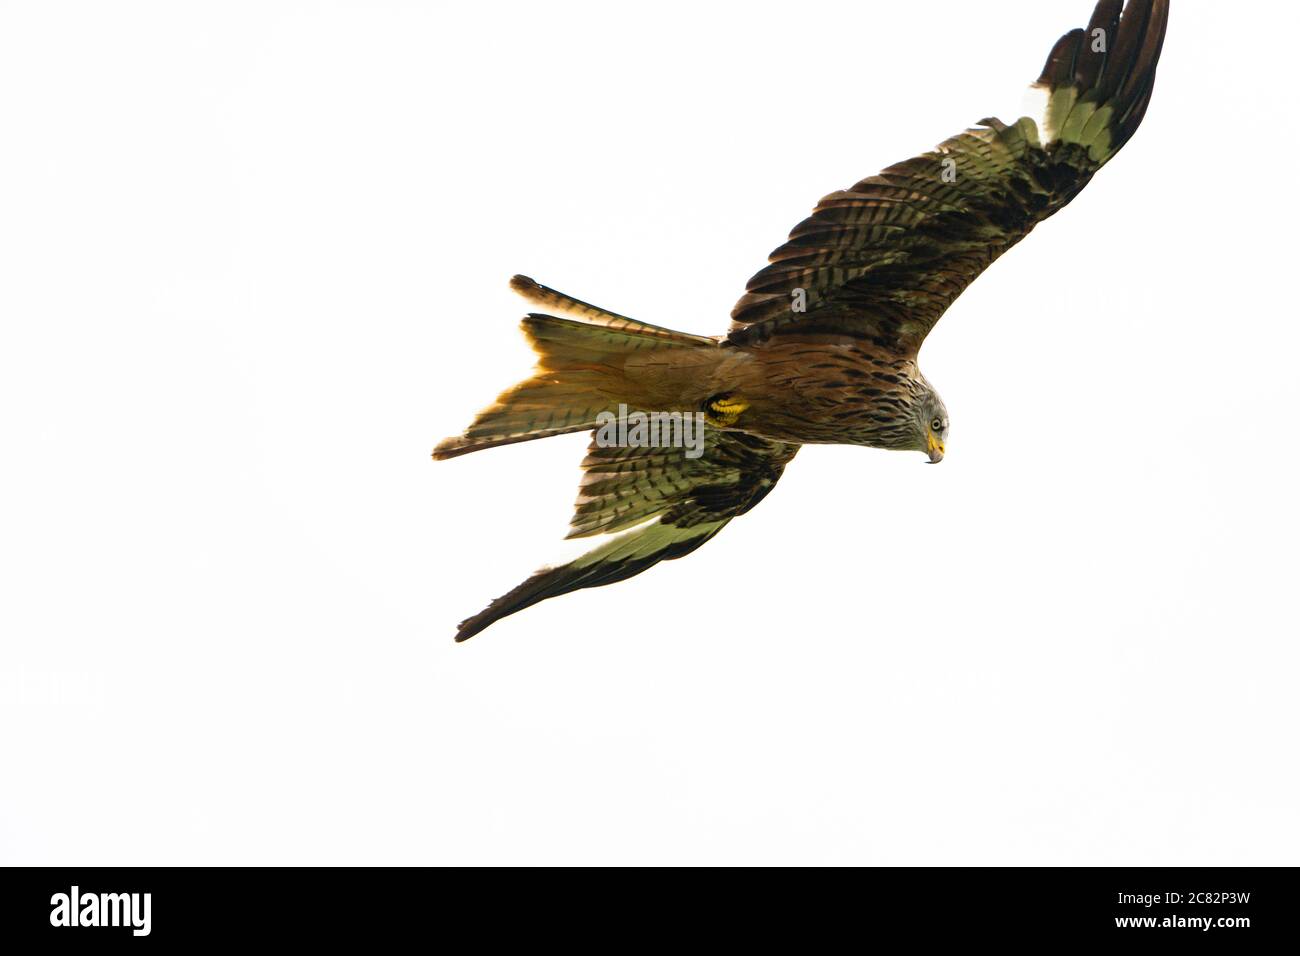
{"type": "Point", "coordinates": [723, 410]}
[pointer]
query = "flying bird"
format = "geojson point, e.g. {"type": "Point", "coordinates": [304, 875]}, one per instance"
{"type": "Point", "coordinates": [822, 347]}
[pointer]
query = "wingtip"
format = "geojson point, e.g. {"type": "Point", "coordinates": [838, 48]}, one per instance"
{"type": "Point", "coordinates": [466, 629]}
{"type": "Point", "coordinates": [478, 622]}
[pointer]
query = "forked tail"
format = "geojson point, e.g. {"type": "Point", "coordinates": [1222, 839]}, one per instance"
{"type": "Point", "coordinates": [581, 372]}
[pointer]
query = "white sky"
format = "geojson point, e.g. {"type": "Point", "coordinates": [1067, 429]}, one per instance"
{"type": "Point", "coordinates": [254, 266]}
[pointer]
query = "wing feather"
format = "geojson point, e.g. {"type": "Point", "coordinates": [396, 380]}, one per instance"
{"type": "Point", "coordinates": [885, 259]}
{"type": "Point", "coordinates": [658, 504]}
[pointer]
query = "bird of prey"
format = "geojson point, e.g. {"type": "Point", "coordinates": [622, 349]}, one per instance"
{"type": "Point", "coordinates": [822, 347]}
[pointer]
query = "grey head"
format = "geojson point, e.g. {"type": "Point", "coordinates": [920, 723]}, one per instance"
{"type": "Point", "coordinates": [930, 422]}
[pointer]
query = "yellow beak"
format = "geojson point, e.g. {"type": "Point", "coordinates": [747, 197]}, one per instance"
{"type": "Point", "coordinates": [934, 446]}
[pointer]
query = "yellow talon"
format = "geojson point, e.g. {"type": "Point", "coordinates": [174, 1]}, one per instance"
{"type": "Point", "coordinates": [726, 409]}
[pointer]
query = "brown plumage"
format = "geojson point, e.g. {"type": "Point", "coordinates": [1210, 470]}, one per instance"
{"type": "Point", "coordinates": [822, 346]}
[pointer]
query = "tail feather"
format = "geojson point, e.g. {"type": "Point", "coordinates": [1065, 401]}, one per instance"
{"type": "Point", "coordinates": [537, 293]}
{"type": "Point", "coordinates": [581, 371]}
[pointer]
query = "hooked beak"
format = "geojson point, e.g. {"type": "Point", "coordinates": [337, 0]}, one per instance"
{"type": "Point", "coordinates": [934, 446]}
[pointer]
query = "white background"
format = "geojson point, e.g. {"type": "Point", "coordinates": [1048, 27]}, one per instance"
{"type": "Point", "coordinates": [253, 264]}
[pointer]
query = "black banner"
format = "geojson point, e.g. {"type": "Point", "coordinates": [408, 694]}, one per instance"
{"type": "Point", "coordinates": [1221, 907]}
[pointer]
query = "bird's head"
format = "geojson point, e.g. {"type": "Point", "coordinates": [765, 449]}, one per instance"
{"type": "Point", "coordinates": [931, 424]}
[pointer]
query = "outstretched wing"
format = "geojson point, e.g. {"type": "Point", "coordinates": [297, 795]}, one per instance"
{"type": "Point", "coordinates": [659, 503]}
{"type": "Point", "coordinates": [884, 259]}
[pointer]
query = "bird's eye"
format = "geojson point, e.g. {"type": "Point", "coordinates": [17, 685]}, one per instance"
{"type": "Point", "coordinates": [937, 424]}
